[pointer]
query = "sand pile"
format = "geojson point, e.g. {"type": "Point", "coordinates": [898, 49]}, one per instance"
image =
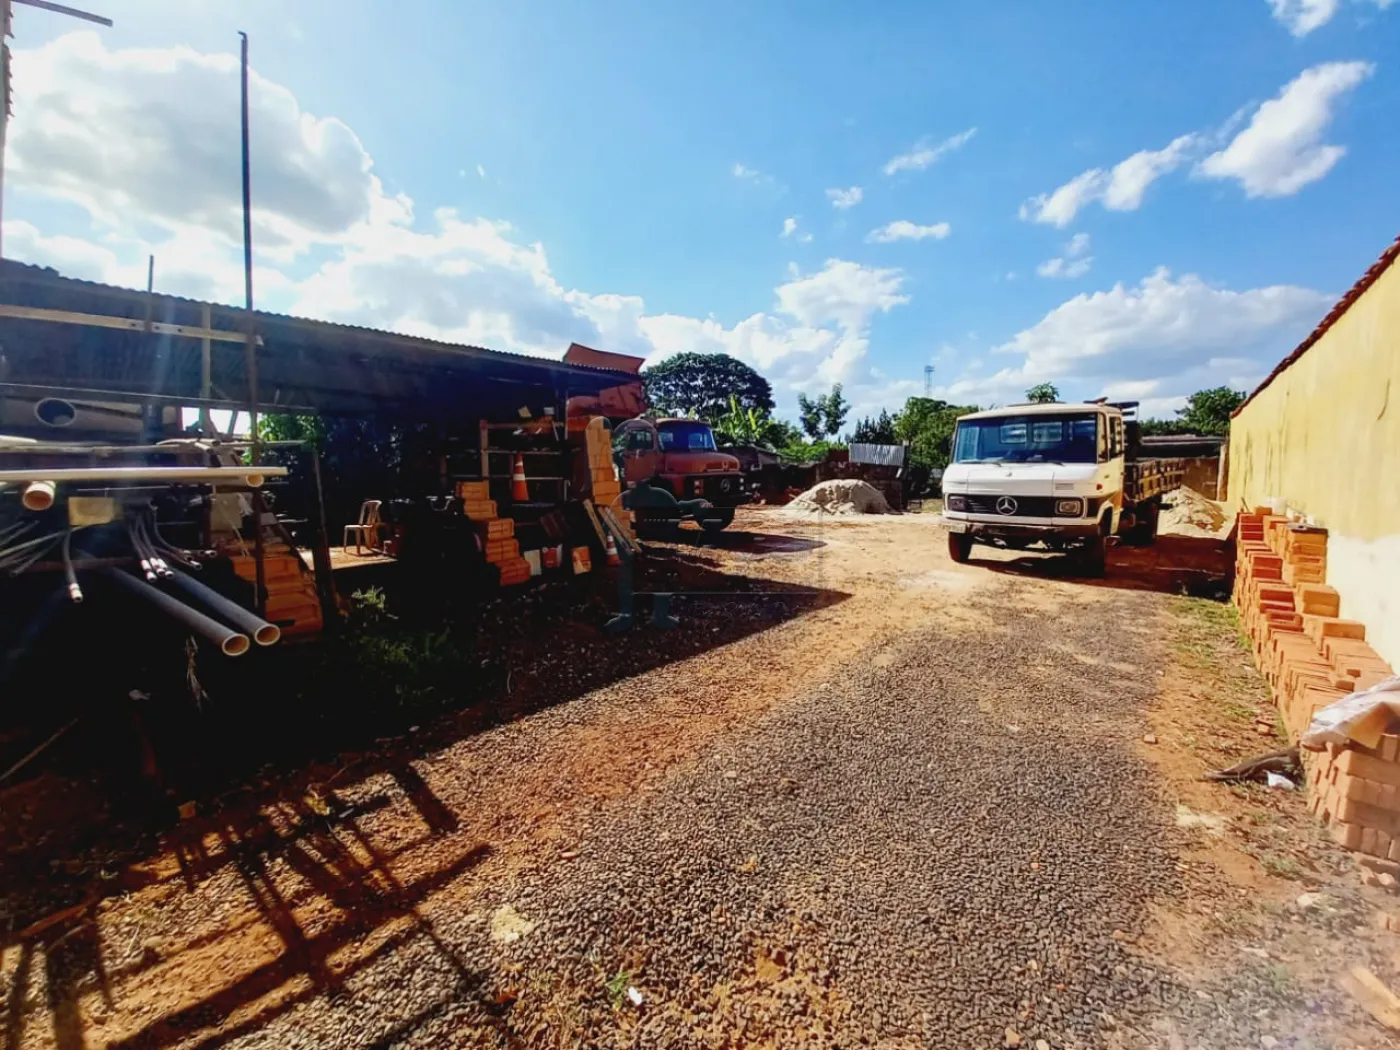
{"type": "Point", "coordinates": [844, 496]}
{"type": "Point", "coordinates": [1188, 513]}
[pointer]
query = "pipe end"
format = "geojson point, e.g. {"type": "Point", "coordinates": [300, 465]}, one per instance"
{"type": "Point", "coordinates": [235, 645]}
{"type": "Point", "coordinates": [38, 495]}
{"type": "Point", "coordinates": [267, 634]}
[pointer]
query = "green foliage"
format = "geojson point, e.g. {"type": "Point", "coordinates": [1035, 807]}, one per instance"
{"type": "Point", "coordinates": [824, 415]}
{"type": "Point", "coordinates": [312, 429]}
{"type": "Point", "coordinates": [1208, 411]}
{"type": "Point", "coordinates": [809, 414]}
{"type": "Point", "coordinates": [799, 451]}
{"type": "Point", "coordinates": [927, 424]}
{"type": "Point", "coordinates": [413, 670]}
{"type": "Point", "coordinates": [702, 385]}
{"type": "Point", "coordinates": [876, 430]}
{"type": "Point", "coordinates": [616, 987]}
{"type": "Point", "coordinates": [752, 426]}
{"type": "Point", "coordinates": [1043, 394]}
{"type": "Point", "coordinates": [1162, 427]}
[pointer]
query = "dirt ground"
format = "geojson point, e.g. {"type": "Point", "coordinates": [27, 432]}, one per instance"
{"type": "Point", "coordinates": [861, 796]}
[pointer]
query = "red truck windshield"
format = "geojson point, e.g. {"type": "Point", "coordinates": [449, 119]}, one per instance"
{"type": "Point", "coordinates": [686, 437]}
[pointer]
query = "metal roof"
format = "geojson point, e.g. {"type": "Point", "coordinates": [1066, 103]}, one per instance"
{"type": "Point", "coordinates": [1370, 277]}
{"type": "Point", "coordinates": [877, 455]}
{"type": "Point", "coordinates": [303, 364]}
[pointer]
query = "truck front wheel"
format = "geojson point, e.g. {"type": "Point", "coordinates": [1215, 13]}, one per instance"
{"type": "Point", "coordinates": [717, 520]}
{"type": "Point", "coordinates": [1095, 557]}
{"type": "Point", "coordinates": [959, 546]}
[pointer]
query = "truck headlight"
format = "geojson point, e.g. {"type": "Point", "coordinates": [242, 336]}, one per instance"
{"type": "Point", "coordinates": [955, 503]}
{"type": "Point", "coordinates": [1069, 508]}
{"type": "Point", "coordinates": [725, 484]}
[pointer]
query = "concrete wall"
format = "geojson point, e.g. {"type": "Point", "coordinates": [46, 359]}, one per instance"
{"type": "Point", "coordinates": [1325, 437]}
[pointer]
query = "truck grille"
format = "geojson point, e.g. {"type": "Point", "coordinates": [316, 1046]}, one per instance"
{"type": "Point", "coordinates": [1026, 506]}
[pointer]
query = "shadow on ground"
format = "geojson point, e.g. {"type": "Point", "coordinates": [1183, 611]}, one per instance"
{"type": "Point", "coordinates": [1195, 566]}
{"type": "Point", "coordinates": [423, 669]}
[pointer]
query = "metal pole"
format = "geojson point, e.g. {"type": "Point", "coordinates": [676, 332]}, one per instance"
{"type": "Point", "coordinates": [250, 355]}
{"type": "Point", "coordinates": [6, 17]}
{"type": "Point", "coordinates": [206, 371]}
{"type": "Point", "coordinates": [321, 553]}
{"type": "Point", "coordinates": [5, 14]}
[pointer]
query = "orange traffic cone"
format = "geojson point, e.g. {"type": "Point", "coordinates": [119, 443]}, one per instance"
{"type": "Point", "coordinates": [519, 491]}
{"type": "Point", "coordinates": [610, 548]}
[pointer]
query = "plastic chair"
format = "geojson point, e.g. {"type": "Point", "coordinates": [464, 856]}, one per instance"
{"type": "Point", "coordinates": [366, 530]}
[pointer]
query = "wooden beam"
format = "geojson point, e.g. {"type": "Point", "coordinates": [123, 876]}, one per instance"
{"type": "Point", "coordinates": [127, 324]}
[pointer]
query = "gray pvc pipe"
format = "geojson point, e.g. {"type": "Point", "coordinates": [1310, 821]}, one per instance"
{"type": "Point", "coordinates": [229, 641]}
{"type": "Point", "coordinates": [262, 632]}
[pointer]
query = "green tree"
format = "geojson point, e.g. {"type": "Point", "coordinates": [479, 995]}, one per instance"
{"type": "Point", "coordinates": [1208, 411]}
{"type": "Point", "coordinates": [927, 424]}
{"type": "Point", "coordinates": [835, 408]}
{"type": "Point", "coordinates": [824, 415]}
{"type": "Point", "coordinates": [876, 430]}
{"type": "Point", "coordinates": [701, 385]}
{"type": "Point", "coordinates": [809, 414]}
{"type": "Point", "coordinates": [1043, 394]}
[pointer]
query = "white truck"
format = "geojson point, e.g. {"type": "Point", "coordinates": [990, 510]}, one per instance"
{"type": "Point", "coordinates": [1064, 476]}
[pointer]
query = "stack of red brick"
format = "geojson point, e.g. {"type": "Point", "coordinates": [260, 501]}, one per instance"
{"type": "Point", "coordinates": [1312, 658]}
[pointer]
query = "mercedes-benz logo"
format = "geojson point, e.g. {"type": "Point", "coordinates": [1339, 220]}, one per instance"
{"type": "Point", "coordinates": [1006, 505]}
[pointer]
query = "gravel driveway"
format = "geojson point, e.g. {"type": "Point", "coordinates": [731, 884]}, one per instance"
{"type": "Point", "coordinates": [949, 844]}
{"type": "Point", "coordinates": [922, 815]}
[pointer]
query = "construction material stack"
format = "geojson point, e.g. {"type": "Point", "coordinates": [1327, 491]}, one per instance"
{"type": "Point", "coordinates": [498, 542]}
{"type": "Point", "coordinates": [1313, 658]}
{"type": "Point", "coordinates": [603, 484]}
{"type": "Point", "coordinates": [292, 602]}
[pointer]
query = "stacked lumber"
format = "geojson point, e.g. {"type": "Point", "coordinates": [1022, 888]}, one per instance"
{"type": "Point", "coordinates": [1312, 658]}
{"type": "Point", "coordinates": [498, 542]}
{"type": "Point", "coordinates": [292, 602]}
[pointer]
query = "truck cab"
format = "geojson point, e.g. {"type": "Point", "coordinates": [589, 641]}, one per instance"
{"type": "Point", "coordinates": [680, 455]}
{"type": "Point", "coordinates": [1053, 475]}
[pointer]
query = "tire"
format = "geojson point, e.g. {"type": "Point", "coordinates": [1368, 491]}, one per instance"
{"type": "Point", "coordinates": [1093, 557]}
{"type": "Point", "coordinates": [959, 547]}
{"type": "Point", "coordinates": [717, 520]}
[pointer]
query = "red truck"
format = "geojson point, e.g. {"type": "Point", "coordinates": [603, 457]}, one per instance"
{"type": "Point", "coordinates": [680, 456]}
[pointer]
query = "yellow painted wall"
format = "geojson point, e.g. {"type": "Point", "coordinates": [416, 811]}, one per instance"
{"type": "Point", "coordinates": [1325, 436]}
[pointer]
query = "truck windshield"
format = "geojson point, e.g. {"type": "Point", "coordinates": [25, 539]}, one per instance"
{"type": "Point", "coordinates": [1032, 438]}
{"type": "Point", "coordinates": [681, 437]}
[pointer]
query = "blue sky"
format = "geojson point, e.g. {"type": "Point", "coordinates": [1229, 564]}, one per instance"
{"type": "Point", "coordinates": [1132, 199]}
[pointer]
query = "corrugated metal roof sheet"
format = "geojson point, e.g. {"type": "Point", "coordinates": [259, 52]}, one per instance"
{"type": "Point", "coordinates": [303, 364]}
{"type": "Point", "coordinates": [878, 455]}
{"type": "Point", "coordinates": [11, 268]}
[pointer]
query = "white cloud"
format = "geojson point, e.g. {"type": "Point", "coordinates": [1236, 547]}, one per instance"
{"type": "Point", "coordinates": [1060, 207]}
{"type": "Point", "coordinates": [1130, 178]}
{"type": "Point", "coordinates": [844, 199]}
{"type": "Point", "coordinates": [1303, 16]}
{"type": "Point", "coordinates": [923, 155]}
{"type": "Point", "coordinates": [146, 137]}
{"type": "Point", "coordinates": [789, 226]}
{"type": "Point", "coordinates": [1120, 188]}
{"type": "Point", "coordinates": [904, 230]}
{"type": "Point", "coordinates": [740, 171]}
{"type": "Point", "coordinates": [1075, 262]}
{"type": "Point", "coordinates": [1179, 334]}
{"type": "Point", "coordinates": [1281, 150]}
{"type": "Point", "coordinates": [481, 171]}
